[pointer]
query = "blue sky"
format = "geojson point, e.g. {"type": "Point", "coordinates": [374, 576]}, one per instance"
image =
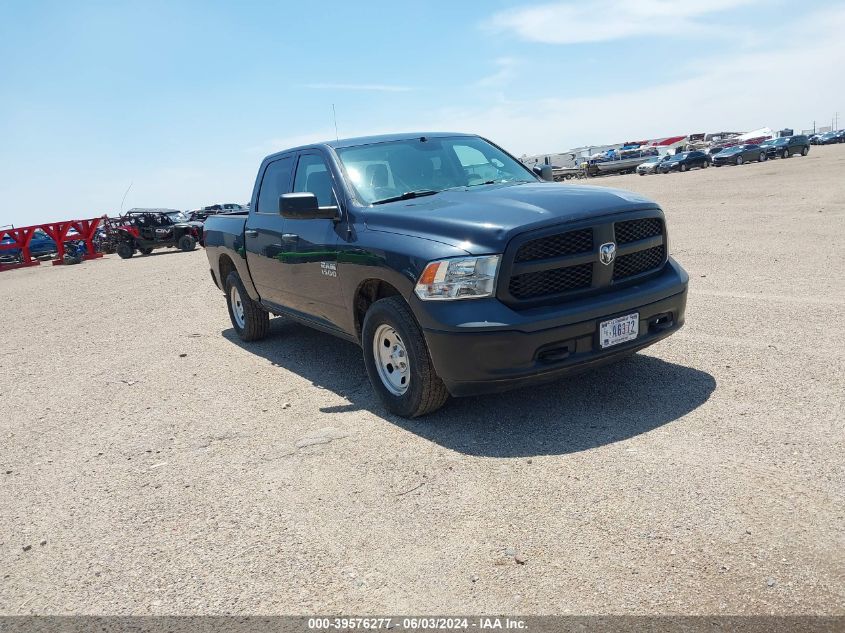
{"type": "Point", "coordinates": [183, 99]}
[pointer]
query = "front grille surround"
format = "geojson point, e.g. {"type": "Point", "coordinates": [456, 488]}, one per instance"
{"type": "Point", "coordinates": [560, 263]}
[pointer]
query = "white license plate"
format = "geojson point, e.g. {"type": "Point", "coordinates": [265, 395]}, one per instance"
{"type": "Point", "coordinates": [619, 330]}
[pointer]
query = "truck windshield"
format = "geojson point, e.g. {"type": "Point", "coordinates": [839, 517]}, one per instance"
{"type": "Point", "coordinates": [393, 169]}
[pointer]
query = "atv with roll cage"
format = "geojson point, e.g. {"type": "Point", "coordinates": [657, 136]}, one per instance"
{"type": "Point", "coordinates": [145, 231]}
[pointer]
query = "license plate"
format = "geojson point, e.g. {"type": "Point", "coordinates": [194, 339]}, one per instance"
{"type": "Point", "coordinates": [619, 330]}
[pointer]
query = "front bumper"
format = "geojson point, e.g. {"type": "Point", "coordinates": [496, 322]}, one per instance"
{"type": "Point", "coordinates": [509, 349]}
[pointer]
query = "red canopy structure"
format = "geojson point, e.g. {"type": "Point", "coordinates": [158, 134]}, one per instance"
{"type": "Point", "coordinates": [84, 230]}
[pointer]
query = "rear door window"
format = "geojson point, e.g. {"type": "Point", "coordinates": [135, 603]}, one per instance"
{"type": "Point", "coordinates": [276, 181]}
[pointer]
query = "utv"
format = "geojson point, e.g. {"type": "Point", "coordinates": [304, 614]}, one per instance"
{"type": "Point", "coordinates": [145, 231]}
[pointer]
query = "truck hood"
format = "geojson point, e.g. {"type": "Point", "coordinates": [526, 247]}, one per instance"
{"type": "Point", "coordinates": [483, 219]}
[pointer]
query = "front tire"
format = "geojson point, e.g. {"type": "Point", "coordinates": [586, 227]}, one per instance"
{"type": "Point", "coordinates": [738, 160]}
{"type": "Point", "coordinates": [785, 154]}
{"type": "Point", "coordinates": [250, 320]}
{"type": "Point", "coordinates": [124, 250]}
{"type": "Point", "coordinates": [187, 243]}
{"type": "Point", "coordinates": [763, 157]}
{"type": "Point", "coordinates": [145, 251]}
{"type": "Point", "coordinates": [682, 168]}
{"type": "Point", "coordinates": [805, 151]}
{"type": "Point", "coordinates": [398, 362]}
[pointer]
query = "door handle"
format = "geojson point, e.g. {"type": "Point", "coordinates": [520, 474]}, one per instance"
{"type": "Point", "coordinates": [251, 233]}
{"type": "Point", "coordinates": [289, 237]}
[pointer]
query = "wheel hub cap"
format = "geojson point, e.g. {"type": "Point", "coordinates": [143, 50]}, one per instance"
{"type": "Point", "coordinates": [237, 307]}
{"type": "Point", "coordinates": [391, 359]}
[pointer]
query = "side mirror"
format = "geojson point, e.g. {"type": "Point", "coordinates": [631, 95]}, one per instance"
{"type": "Point", "coordinates": [304, 206]}
{"type": "Point", "coordinates": [546, 173]}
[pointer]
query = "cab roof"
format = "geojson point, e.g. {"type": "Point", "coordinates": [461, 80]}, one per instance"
{"type": "Point", "coordinates": [371, 140]}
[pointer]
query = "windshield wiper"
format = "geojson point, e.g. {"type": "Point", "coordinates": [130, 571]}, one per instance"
{"type": "Point", "coordinates": [495, 182]}
{"type": "Point", "coordinates": [418, 193]}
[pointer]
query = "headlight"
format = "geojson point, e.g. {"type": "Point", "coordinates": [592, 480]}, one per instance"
{"type": "Point", "coordinates": [459, 278]}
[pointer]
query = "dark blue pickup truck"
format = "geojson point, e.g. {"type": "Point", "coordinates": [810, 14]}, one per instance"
{"type": "Point", "coordinates": [457, 269]}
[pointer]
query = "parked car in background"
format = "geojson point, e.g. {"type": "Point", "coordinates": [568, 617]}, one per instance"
{"type": "Point", "coordinates": [222, 208]}
{"type": "Point", "coordinates": [9, 255]}
{"type": "Point", "coordinates": [786, 146]}
{"type": "Point", "coordinates": [40, 246]}
{"type": "Point", "coordinates": [685, 161]}
{"type": "Point", "coordinates": [828, 138]}
{"type": "Point", "coordinates": [652, 165]}
{"type": "Point", "coordinates": [213, 209]}
{"type": "Point", "coordinates": [740, 154]}
{"type": "Point", "coordinates": [814, 139]}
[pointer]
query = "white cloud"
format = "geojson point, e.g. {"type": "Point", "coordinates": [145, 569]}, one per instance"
{"type": "Point", "coordinates": [784, 85]}
{"type": "Point", "coordinates": [572, 22]}
{"type": "Point", "coordinates": [506, 68]}
{"type": "Point", "coordinates": [361, 87]}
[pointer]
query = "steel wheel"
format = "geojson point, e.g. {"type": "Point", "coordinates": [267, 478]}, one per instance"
{"type": "Point", "coordinates": [739, 160]}
{"type": "Point", "coordinates": [237, 307]}
{"type": "Point", "coordinates": [391, 360]}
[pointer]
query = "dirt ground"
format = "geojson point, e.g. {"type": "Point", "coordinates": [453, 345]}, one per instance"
{"type": "Point", "coordinates": [152, 463]}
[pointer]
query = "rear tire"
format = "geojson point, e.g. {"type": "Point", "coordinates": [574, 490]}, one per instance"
{"type": "Point", "coordinates": [682, 168]}
{"type": "Point", "coordinates": [805, 151]}
{"type": "Point", "coordinates": [124, 250]}
{"type": "Point", "coordinates": [390, 323]}
{"type": "Point", "coordinates": [763, 157]}
{"type": "Point", "coordinates": [738, 160]}
{"type": "Point", "coordinates": [187, 243]}
{"type": "Point", "coordinates": [250, 320]}
{"type": "Point", "coordinates": [145, 251]}
{"type": "Point", "coordinates": [785, 154]}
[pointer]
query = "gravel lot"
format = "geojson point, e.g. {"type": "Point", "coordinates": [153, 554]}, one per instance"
{"type": "Point", "coordinates": [152, 463]}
